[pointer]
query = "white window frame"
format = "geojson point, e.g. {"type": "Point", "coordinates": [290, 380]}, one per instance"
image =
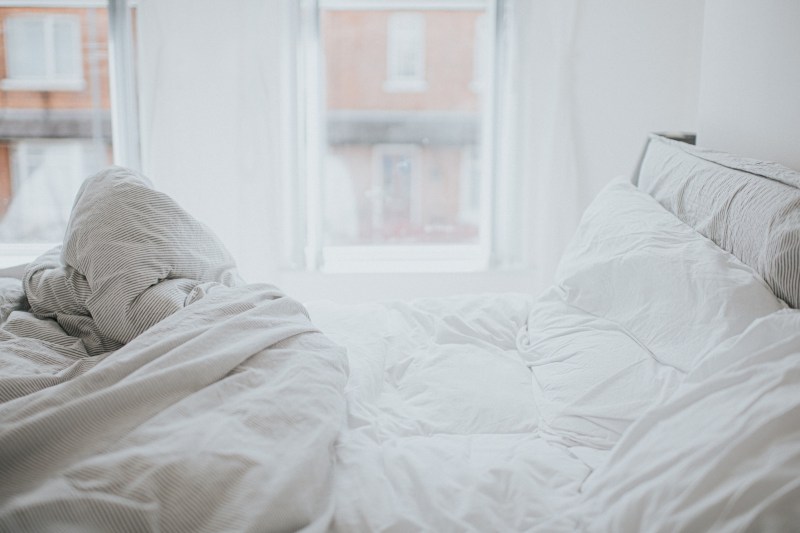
{"type": "Point", "coordinates": [49, 81]}
{"type": "Point", "coordinates": [421, 257]}
{"type": "Point", "coordinates": [405, 35]}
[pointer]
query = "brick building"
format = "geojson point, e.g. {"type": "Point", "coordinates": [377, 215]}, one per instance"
{"type": "Point", "coordinates": [402, 110]}
{"type": "Point", "coordinates": [54, 114]}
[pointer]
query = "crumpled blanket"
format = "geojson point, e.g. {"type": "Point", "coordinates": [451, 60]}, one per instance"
{"type": "Point", "coordinates": [145, 387]}
{"type": "Point", "coordinates": [131, 257]}
{"type": "Point", "coordinates": [222, 416]}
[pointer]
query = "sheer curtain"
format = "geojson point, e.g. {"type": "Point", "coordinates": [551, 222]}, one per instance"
{"type": "Point", "coordinates": [215, 93]}
{"type": "Point", "coordinates": [584, 82]}
{"type": "Point", "coordinates": [538, 188]}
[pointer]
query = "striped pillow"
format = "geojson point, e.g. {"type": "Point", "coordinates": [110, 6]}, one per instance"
{"type": "Point", "coordinates": [749, 208]}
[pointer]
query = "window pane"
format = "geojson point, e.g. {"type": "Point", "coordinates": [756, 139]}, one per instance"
{"type": "Point", "coordinates": [67, 48]}
{"type": "Point", "coordinates": [395, 170]}
{"type": "Point", "coordinates": [25, 47]}
{"type": "Point", "coordinates": [54, 136]}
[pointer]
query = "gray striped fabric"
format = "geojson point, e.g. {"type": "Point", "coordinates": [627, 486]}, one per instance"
{"type": "Point", "coordinates": [222, 417]}
{"type": "Point", "coordinates": [12, 297]}
{"type": "Point", "coordinates": [131, 257]}
{"type": "Point", "coordinates": [747, 207]}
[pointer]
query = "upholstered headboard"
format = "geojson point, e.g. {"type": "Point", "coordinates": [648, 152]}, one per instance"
{"type": "Point", "coordinates": [748, 207]}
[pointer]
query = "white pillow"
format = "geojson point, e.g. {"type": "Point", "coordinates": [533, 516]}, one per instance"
{"type": "Point", "coordinates": [640, 298]}
{"type": "Point", "coordinates": [676, 292]}
{"type": "Point", "coordinates": [722, 454]}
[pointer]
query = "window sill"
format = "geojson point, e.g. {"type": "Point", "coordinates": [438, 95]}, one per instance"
{"type": "Point", "coordinates": [402, 259]}
{"type": "Point", "coordinates": [405, 86]}
{"type": "Point", "coordinates": [10, 84]}
{"type": "Point", "coordinates": [17, 253]}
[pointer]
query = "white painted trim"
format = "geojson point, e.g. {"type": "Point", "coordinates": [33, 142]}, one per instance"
{"type": "Point", "coordinates": [416, 5]}
{"type": "Point", "coordinates": [12, 84]}
{"type": "Point", "coordinates": [404, 258]}
{"type": "Point", "coordinates": [489, 132]}
{"type": "Point", "coordinates": [122, 77]}
{"type": "Point", "coordinates": [18, 253]}
{"type": "Point", "coordinates": [405, 86]}
{"type": "Point", "coordinates": [54, 3]}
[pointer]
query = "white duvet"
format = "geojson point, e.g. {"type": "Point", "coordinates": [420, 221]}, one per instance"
{"type": "Point", "coordinates": [647, 390]}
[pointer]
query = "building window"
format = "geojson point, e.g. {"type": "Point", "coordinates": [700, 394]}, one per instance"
{"type": "Point", "coordinates": [405, 53]}
{"type": "Point", "coordinates": [396, 180]}
{"type": "Point", "coordinates": [43, 52]}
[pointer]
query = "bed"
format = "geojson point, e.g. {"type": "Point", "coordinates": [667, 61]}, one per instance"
{"type": "Point", "coordinates": [653, 387]}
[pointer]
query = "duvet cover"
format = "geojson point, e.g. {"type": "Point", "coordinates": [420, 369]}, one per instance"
{"type": "Point", "coordinates": [146, 387]}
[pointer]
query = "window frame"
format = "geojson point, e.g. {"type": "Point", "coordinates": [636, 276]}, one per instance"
{"type": "Point", "coordinates": [388, 258]}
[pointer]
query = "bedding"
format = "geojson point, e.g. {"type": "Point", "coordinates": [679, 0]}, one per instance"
{"type": "Point", "coordinates": [652, 387]}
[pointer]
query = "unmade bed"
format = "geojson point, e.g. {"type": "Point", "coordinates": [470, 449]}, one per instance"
{"type": "Point", "coordinates": [653, 387]}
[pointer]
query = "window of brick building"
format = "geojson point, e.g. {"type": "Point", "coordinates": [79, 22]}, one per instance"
{"type": "Point", "coordinates": [43, 51]}
{"type": "Point", "coordinates": [405, 52]}
{"type": "Point", "coordinates": [399, 138]}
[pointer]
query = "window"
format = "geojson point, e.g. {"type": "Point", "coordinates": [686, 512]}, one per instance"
{"type": "Point", "coordinates": [402, 178]}
{"type": "Point", "coordinates": [43, 52]}
{"type": "Point", "coordinates": [57, 126]}
{"type": "Point", "coordinates": [405, 52]}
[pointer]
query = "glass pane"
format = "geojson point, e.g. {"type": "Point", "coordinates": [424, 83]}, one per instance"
{"type": "Point", "coordinates": [67, 48]}
{"type": "Point", "coordinates": [59, 134]}
{"type": "Point", "coordinates": [25, 47]}
{"type": "Point", "coordinates": [395, 170]}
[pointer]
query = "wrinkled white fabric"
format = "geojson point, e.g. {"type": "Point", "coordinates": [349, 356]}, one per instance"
{"type": "Point", "coordinates": [221, 417]}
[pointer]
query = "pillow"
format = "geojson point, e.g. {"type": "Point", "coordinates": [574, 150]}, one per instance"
{"type": "Point", "coordinates": [722, 454]}
{"type": "Point", "coordinates": [640, 298]}
{"type": "Point", "coordinates": [634, 263]}
{"type": "Point", "coordinates": [131, 257]}
{"type": "Point", "coordinates": [748, 207]}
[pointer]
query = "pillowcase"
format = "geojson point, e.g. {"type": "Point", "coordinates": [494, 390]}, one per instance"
{"type": "Point", "coordinates": [131, 257]}
{"type": "Point", "coordinates": [722, 454]}
{"type": "Point", "coordinates": [634, 263]}
{"type": "Point", "coordinates": [640, 298]}
{"type": "Point", "coordinates": [748, 207]}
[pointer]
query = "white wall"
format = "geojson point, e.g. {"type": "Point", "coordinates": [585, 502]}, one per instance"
{"type": "Point", "coordinates": [637, 70]}
{"type": "Point", "coordinates": [750, 88]}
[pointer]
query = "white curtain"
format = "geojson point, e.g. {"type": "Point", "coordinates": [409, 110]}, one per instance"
{"type": "Point", "coordinates": [538, 183]}
{"type": "Point", "coordinates": [215, 93]}
{"type": "Point", "coordinates": [587, 80]}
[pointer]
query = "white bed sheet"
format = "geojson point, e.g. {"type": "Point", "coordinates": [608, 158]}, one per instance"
{"type": "Point", "coordinates": [442, 432]}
